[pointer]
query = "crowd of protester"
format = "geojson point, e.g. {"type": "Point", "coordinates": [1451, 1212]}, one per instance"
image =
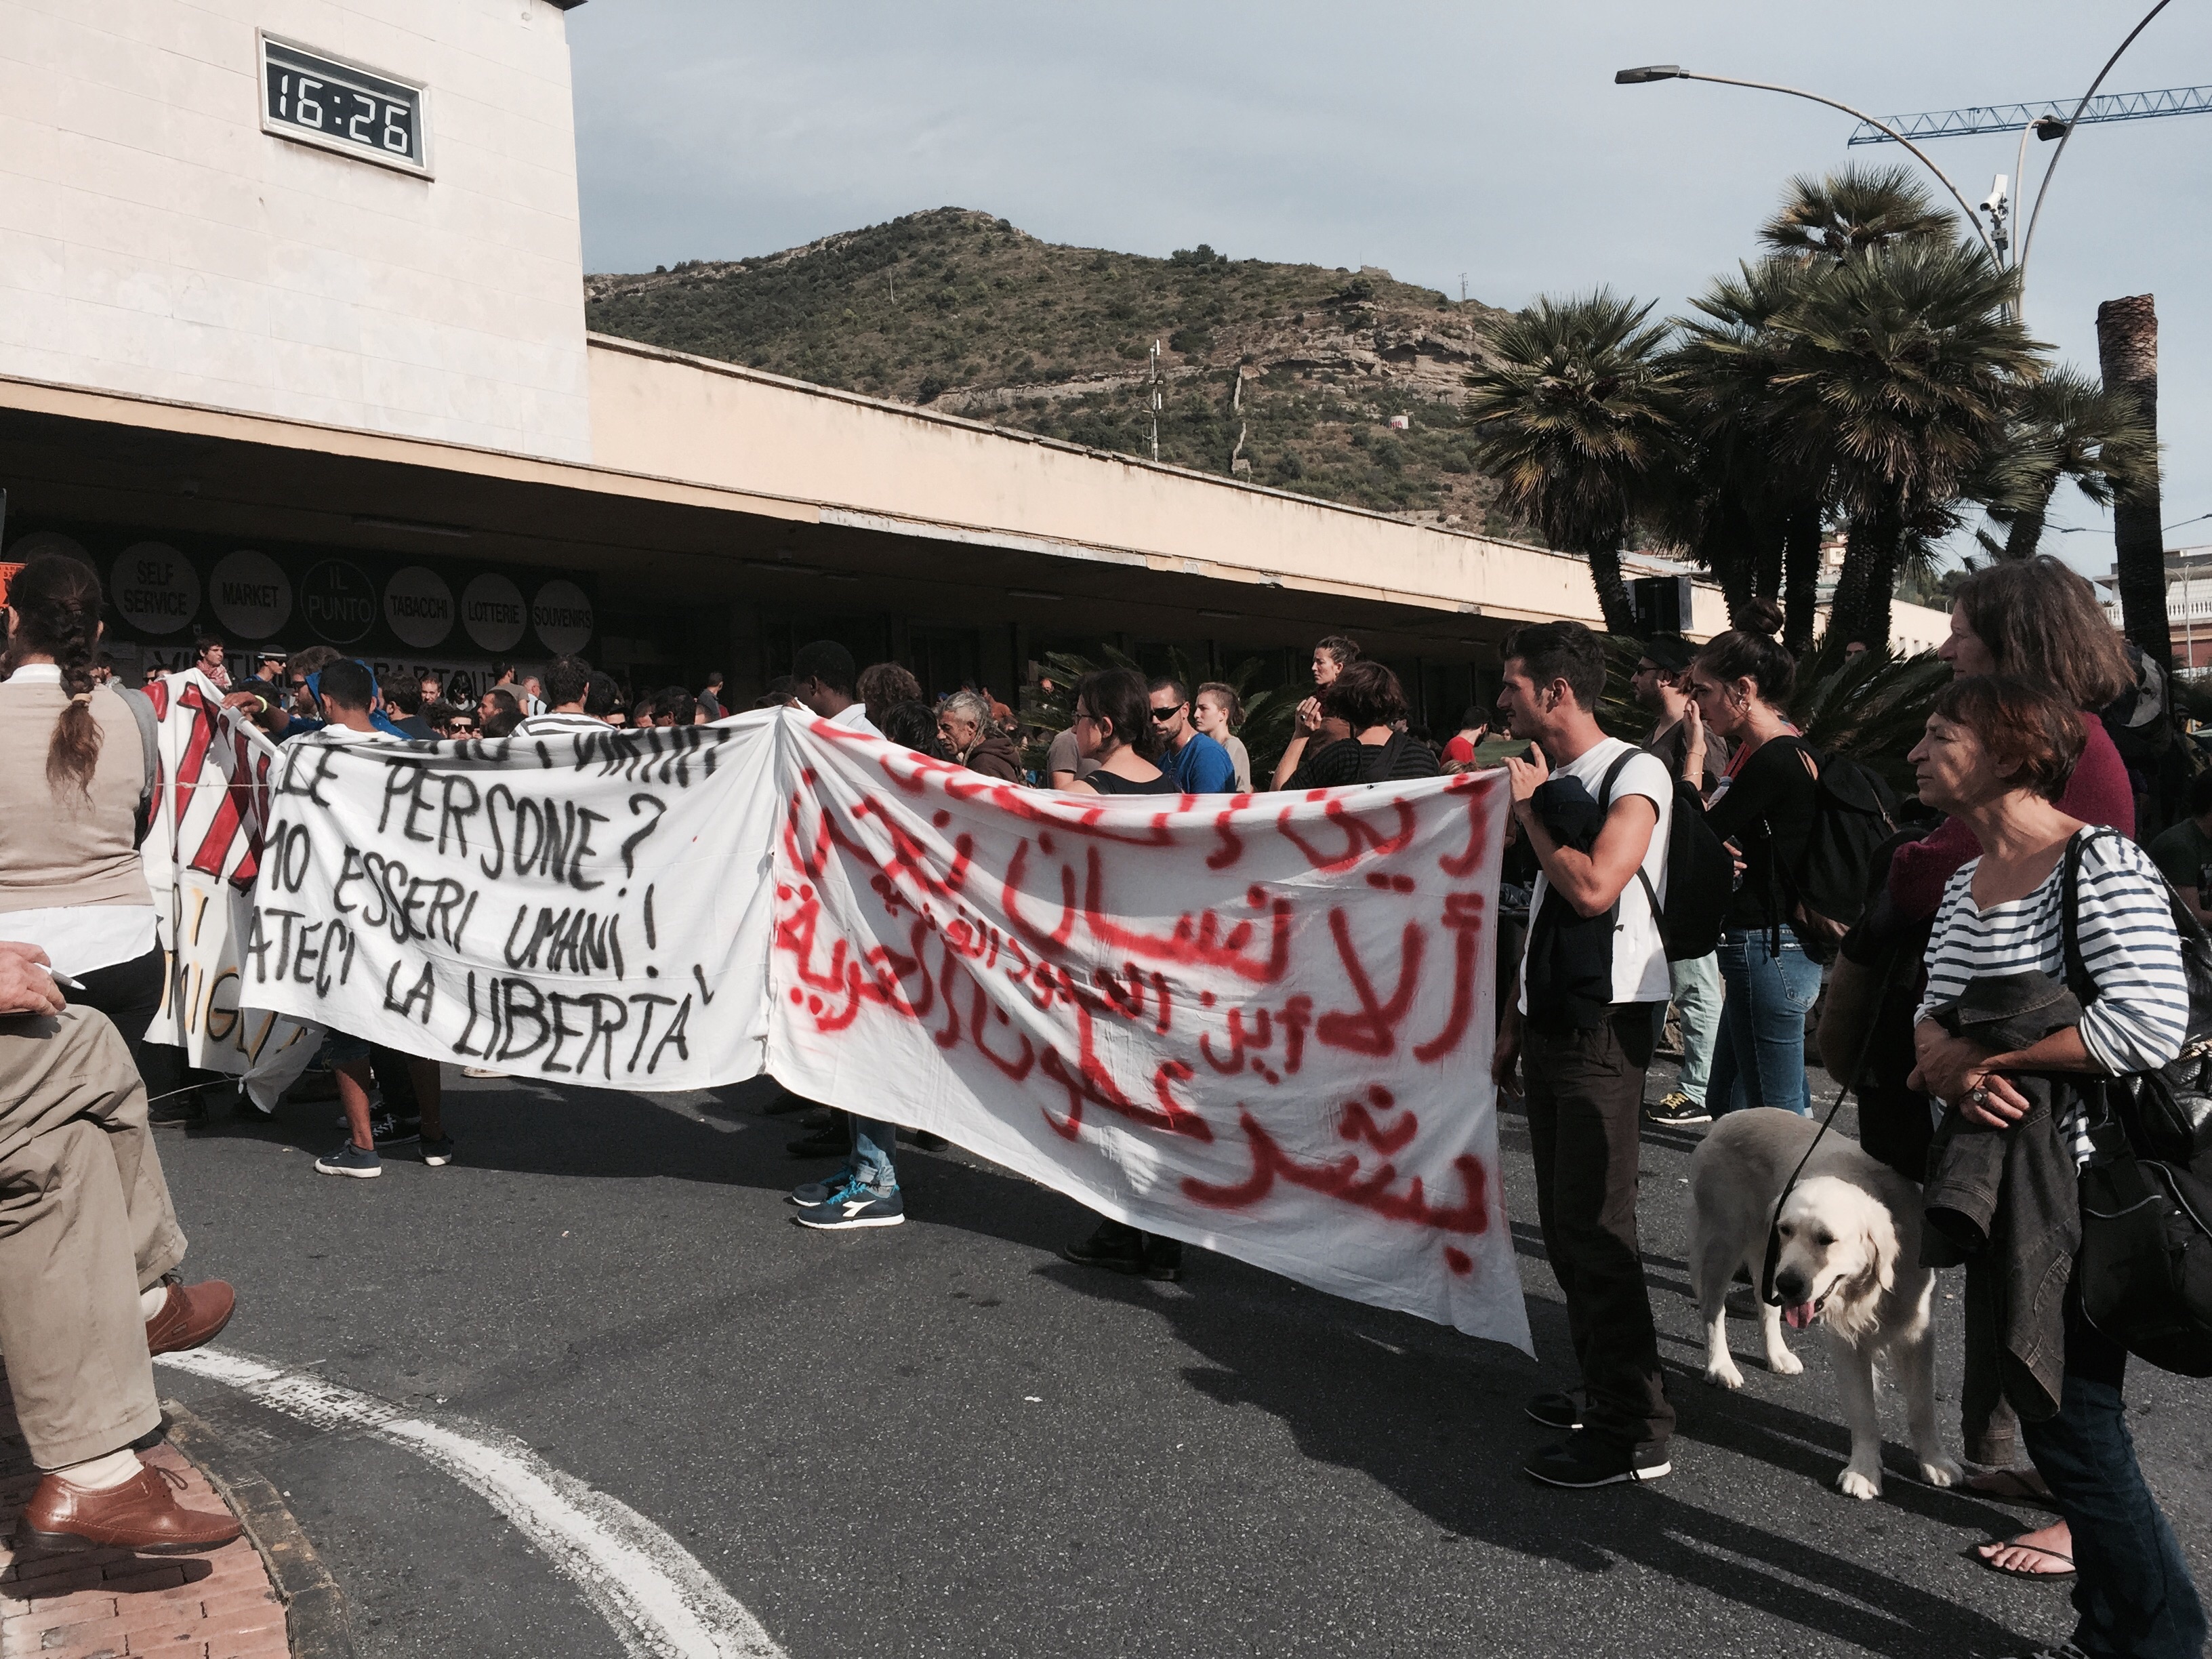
{"type": "Point", "coordinates": [2027, 807]}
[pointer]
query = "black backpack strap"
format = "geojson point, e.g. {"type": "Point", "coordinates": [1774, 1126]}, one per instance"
{"type": "Point", "coordinates": [150, 748]}
{"type": "Point", "coordinates": [2077, 970]}
{"type": "Point", "coordinates": [1611, 774]}
{"type": "Point", "coordinates": [1384, 755]}
{"type": "Point", "coordinates": [1605, 806]}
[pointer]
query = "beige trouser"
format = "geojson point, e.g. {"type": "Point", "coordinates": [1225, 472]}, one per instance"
{"type": "Point", "coordinates": [85, 1225]}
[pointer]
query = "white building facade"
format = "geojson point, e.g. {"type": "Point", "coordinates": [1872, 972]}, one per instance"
{"type": "Point", "coordinates": [160, 235]}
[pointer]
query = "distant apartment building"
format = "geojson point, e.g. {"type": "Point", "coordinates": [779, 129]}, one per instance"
{"type": "Point", "coordinates": [2188, 605]}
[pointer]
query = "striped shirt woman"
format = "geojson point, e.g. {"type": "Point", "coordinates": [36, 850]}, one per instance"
{"type": "Point", "coordinates": [2128, 944]}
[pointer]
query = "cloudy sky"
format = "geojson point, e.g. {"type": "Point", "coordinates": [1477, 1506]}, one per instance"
{"type": "Point", "coordinates": [1482, 138]}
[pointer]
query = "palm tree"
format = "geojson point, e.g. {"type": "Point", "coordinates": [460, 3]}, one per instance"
{"type": "Point", "coordinates": [1852, 212]}
{"type": "Point", "coordinates": [1903, 364]}
{"type": "Point", "coordinates": [1573, 414]}
{"type": "Point", "coordinates": [2068, 426]}
{"type": "Point", "coordinates": [1758, 513]}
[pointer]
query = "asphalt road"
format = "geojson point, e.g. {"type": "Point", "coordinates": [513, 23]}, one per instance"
{"type": "Point", "coordinates": [939, 1439]}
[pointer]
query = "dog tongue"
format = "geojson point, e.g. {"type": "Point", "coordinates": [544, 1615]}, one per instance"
{"type": "Point", "coordinates": [1798, 1315]}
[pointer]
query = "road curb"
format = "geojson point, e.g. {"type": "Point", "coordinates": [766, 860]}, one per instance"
{"type": "Point", "coordinates": [315, 1618]}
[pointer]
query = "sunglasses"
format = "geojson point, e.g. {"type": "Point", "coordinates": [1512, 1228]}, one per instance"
{"type": "Point", "coordinates": [1168, 713]}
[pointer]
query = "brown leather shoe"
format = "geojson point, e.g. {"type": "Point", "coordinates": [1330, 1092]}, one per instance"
{"type": "Point", "coordinates": [142, 1514]}
{"type": "Point", "coordinates": [194, 1314]}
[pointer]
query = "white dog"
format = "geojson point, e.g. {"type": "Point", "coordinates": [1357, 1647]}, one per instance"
{"type": "Point", "coordinates": [1851, 1259]}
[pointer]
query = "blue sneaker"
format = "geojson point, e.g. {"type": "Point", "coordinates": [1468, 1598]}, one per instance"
{"type": "Point", "coordinates": [809, 1195]}
{"type": "Point", "coordinates": [854, 1205]}
{"type": "Point", "coordinates": [351, 1160]}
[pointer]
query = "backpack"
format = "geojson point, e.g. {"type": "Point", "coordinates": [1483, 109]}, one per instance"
{"type": "Point", "coordinates": [150, 745]}
{"type": "Point", "coordinates": [2144, 1271]}
{"type": "Point", "coordinates": [1700, 874]}
{"type": "Point", "coordinates": [1854, 812]}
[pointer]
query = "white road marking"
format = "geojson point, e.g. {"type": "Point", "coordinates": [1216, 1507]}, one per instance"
{"type": "Point", "coordinates": [658, 1601]}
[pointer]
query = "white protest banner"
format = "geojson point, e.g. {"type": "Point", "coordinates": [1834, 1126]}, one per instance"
{"type": "Point", "coordinates": [200, 855]}
{"type": "Point", "coordinates": [1260, 1023]}
{"type": "Point", "coordinates": [591, 905]}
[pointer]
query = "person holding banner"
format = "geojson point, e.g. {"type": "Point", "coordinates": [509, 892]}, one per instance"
{"type": "Point", "coordinates": [89, 1291]}
{"type": "Point", "coordinates": [568, 684]}
{"type": "Point", "coordinates": [71, 881]}
{"type": "Point", "coordinates": [348, 692]}
{"type": "Point", "coordinates": [865, 1193]}
{"type": "Point", "coordinates": [1593, 986]}
{"type": "Point", "coordinates": [1114, 726]}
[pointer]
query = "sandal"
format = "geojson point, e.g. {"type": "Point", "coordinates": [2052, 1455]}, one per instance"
{"type": "Point", "coordinates": [1975, 1552]}
{"type": "Point", "coordinates": [2010, 1486]}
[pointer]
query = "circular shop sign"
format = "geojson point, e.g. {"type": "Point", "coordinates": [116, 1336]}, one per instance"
{"type": "Point", "coordinates": [491, 610]}
{"type": "Point", "coordinates": [155, 588]}
{"type": "Point", "coordinates": [339, 601]}
{"type": "Point", "coordinates": [562, 617]}
{"type": "Point", "coordinates": [27, 548]}
{"type": "Point", "coordinates": [249, 595]}
{"type": "Point", "coordinates": [419, 607]}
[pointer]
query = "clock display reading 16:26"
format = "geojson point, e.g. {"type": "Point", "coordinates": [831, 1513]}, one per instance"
{"type": "Point", "coordinates": [321, 100]}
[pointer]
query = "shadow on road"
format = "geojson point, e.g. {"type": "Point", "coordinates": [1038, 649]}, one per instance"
{"type": "Point", "coordinates": [1443, 1429]}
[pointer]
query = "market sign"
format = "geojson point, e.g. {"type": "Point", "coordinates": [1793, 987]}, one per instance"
{"type": "Point", "coordinates": [155, 588]}
{"type": "Point", "coordinates": [339, 601]}
{"type": "Point", "coordinates": [249, 595]}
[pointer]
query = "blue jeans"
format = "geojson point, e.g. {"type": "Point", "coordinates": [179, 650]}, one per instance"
{"type": "Point", "coordinates": [874, 1147]}
{"type": "Point", "coordinates": [1759, 1050]}
{"type": "Point", "coordinates": [2132, 1591]}
{"type": "Point", "coordinates": [1696, 986]}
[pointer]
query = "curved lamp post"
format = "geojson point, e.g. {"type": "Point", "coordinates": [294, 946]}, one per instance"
{"type": "Point", "coordinates": [1637, 77]}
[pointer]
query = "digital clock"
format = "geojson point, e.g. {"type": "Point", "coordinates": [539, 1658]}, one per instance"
{"type": "Point", "coordinates": [315, 99]}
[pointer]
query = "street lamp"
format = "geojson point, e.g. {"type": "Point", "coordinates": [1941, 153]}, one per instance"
{"type": "Point", "coordinates": [1649, 72]}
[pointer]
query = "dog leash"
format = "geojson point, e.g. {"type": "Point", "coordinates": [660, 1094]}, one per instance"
{"type": "Point", "coordinates": [1774, 1221]}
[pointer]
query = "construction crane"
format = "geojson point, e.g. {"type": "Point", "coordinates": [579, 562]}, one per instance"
{"type": "Point", "coordinates": [2046, 120]}
{"type": "Point", "coordinates": [2054, 119]}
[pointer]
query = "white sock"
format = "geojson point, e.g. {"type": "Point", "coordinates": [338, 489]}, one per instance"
{"type": "Point", "coordinates": [152, 1299]}
{"type": "Point", "coordinates": [102, 1472]}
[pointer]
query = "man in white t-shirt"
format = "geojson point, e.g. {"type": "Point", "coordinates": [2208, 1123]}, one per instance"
{"type": "Point", "coordinates": [348, 693]}
{"type": "Point", "coordinates": [1595, 812]}
{"type": "Point", "coordinates": [866, 1192]}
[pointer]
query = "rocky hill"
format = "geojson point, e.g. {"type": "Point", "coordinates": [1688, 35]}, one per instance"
{"type": "Point", "coordinates": [1289, 375]}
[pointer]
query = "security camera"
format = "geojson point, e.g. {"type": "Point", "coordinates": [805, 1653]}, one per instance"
{"type": "Point", "coordinates": [1996, 201]}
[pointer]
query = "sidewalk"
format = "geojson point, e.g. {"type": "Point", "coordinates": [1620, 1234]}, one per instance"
{"type": "Point", "coordinates": [106, 1604]}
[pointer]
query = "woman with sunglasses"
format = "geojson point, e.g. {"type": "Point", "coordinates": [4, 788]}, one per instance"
{"type": "Point", "coordinates": [1113, 727]}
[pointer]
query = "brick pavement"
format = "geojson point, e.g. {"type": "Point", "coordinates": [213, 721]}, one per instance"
{"type": "Point", "coordinates": [106, 1604]}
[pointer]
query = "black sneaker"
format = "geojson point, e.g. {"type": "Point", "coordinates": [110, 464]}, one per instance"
{"type": "Point", "coordinates": [384, 1129]}
{"type": "Point", "coordinates": [836, 1141]}
{"type": "Point", "coordinates": [437, 1150]}
{"type": "Point", "coordinates": [1581, 1459]}
{"type": "Point", "coordinates": [1676, 1107]}
{"type": "Point", "coordinates": [1562, 1411]}
{"type": "Point", "coordinates": [1116, 1247]}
